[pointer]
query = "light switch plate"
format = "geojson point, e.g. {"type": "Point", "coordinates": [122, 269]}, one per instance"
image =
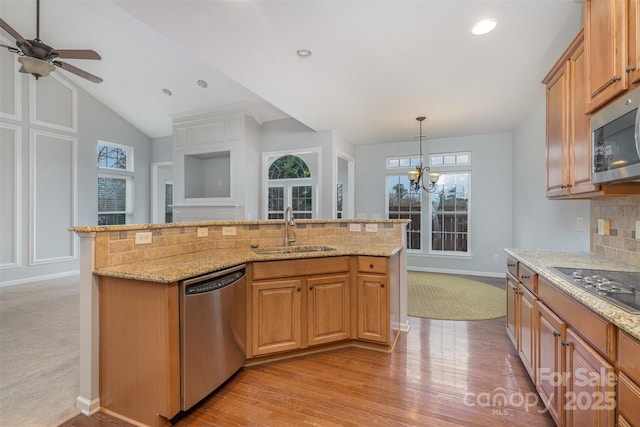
{"type": "Point", "coordinates": [371, 228]}
{"type": "Point", "coordinates": [579, 224]}
{"type": "Point", "coordinates": [228, 231]}
{"type": "Point", "coordinates": [143, 238]}
{"type": "Point", "coordinates": [203, 231]}
{"type": "Point", "coordinates": [355, 227]}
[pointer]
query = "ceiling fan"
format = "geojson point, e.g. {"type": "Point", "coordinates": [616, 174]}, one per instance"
{"type": "Point", "coordinates": [40, 59]}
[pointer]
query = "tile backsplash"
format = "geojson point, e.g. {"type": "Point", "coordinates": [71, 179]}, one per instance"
{"type": "Point", "coordinates": [621, 244]}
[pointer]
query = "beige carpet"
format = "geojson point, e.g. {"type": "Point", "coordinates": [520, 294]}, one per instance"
{"type": "Point", "coordinates": [39, 350]}
{"type": "Point", "coordinates": [447, 297]}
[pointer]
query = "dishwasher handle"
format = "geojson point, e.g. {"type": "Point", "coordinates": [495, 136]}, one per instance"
{"type": "Point", "coordinates": [214, 281]}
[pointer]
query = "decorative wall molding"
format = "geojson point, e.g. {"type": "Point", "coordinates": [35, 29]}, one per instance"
{"type": "Point", "coordinates": [16, 77]}
{"type": "Point", "coordinates": [17, 194]}
{"type": "Point", "coordinates": [72, 126]}
{"type": "Point", "coordinates": [38, 232]}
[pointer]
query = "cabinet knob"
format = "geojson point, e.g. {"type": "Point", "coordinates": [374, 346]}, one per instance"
{"type": "Point", "coordinates": [616, 78]}
{"type": "Point", "coordinates": [298, 289]}
{"type": "Point", "coordinates": [382, 285]}
{"type": "Point", "coordinates": [310, 288]}
{"type": "Point", "coordinates": [564, 343]}
{"type": "Point", "coordinates": [556, 333]}
{"type": "Point", "coordinates": [630, 68]}
{"type": "Point", "coordinates": [370, 265]}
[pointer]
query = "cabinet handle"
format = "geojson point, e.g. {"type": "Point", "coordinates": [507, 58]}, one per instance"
{"type": "Point", "coordinates": [564, 343]}
{"type": "Point", "coordinates": [370, 265]}
{"type": "Point", "coordinates": [298, 289]}
{"type": "Point", "coordinates": [510, 265]}
{"type": "Point", "coordinates": [524, 276]}
{"type": "Point", "coordinates": [630, 68]}
{"type": "Point", "coordinates": [556, 333]}
{"type": "Point", "coordinates": [382, 285]}
{"type": "Point", "coordinates": [616, 78]}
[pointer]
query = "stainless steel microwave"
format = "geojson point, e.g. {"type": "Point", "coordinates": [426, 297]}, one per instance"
{"type": "Point", "coordinates": [615, 137]}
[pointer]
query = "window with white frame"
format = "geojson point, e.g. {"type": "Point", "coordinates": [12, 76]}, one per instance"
{"type": "Point", "coordinates": [115, 183]}
{"type": "Point", "coordinates": [450, 213]}
{"type": "Point", "coordinates": [290, 184]}
{"type": "Point", "coordinates": [402, 203]}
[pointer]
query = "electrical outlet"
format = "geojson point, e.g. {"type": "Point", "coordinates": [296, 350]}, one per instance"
{"type": "Point", "coordinates": [203, 231]}
{"type": "Point", "coordinates": [355, 227]}
{"type": "Point", "coordinates": [143, 238]}
{"type": "Point", "coordinates": [228, 231]}
{"type": "Point", "coordinates": [579, 224]}
{"type": "Point", "coordinates": [604, 227]}
{"type": "Point", "coordinates": [371, 228]}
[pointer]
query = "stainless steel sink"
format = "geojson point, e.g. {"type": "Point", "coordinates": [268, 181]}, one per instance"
{"type": "Point", "coordinates": [292, 249]}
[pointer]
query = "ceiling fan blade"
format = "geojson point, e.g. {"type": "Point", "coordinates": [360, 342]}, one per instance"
{"type": "Point", "coordinates": [11, 31]}
{"type": "Point", "coordinates": [11, 48]}
{"type": "Point", "coordinates": [77, 71]}
{"type": "Point", "coordinates": [76, 53]}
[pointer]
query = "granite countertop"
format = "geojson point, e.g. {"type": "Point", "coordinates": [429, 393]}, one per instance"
{"type": "Point", "coordinates": [180, 267]}
{"type": "Point", "coordinates": [540, 261]}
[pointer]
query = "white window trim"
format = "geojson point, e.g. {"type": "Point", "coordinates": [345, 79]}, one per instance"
{"type": "Point", "coordinates": [450, 254]}
{"type": "Point", "coordinates": [130, 156]}
{"type": "Point", "coordinates": [129, 198]}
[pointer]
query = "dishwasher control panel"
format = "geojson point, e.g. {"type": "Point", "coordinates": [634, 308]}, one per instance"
{"type": "Point", "coordinates": [212, 284]}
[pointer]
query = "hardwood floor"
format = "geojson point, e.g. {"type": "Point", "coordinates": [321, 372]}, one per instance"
{"type": "Point", "coordinates": [444, 373]}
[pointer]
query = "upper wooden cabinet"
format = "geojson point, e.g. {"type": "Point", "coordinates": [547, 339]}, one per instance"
{"type": "Point", "coordinates": [568, 142]}
{"type": "Point", "coordinates": [612, 51]}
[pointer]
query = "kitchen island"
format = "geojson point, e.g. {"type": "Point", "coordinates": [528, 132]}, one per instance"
{"type": "Point", "coordinates": [351, 293]}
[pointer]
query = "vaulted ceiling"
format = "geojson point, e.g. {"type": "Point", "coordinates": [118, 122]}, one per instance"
{"type": "Point", "coordinates": [374, 67]}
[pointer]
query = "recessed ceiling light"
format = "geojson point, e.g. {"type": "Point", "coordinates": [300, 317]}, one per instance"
{"type": "Point", "coordinates": [483, 27]}
{"type": "Point", "coordinates": [166, 92]}
{"type": "Point", "coordinates": [202, 83]}
{"type": "Point", "coordinates": [303, 53]}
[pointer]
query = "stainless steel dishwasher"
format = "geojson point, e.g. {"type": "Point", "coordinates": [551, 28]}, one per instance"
{"type": "Point", "coordinates": [212, 331]}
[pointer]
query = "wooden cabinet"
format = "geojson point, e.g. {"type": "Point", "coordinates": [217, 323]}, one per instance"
{"type": "Point", "coordinates": [526, 334]}
{"type": "Point", "coordinates": [611, 40]}
{"type": "Point", "coordinates": [295, 306]}
{"type": "Point", "coordinates": [277, 323]}
{"type": "Point", "coordinates": [590, 396]}
{"type": "Point", "coordinates": [328, 309]}
{"type": "Point", "coordinates": [568, 132]}
{"type": "Point", "coordinates": [628, 380]}
{"type": "Point", "coordinates": [373, 308]}
{"type": "Point", "coordinates": [139, 350]}
{"type": "Point", "coordinates": [512, 309]}
{"type": "Point", "coordinates": [550, 335]}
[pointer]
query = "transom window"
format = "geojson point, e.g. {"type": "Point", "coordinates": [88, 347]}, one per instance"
{"type": "Point", "coordinates": [403, 162]}
{"type": "Point", "coordinates": [450, 159]}
{"type": "Point", "coordinates": [115, 156]}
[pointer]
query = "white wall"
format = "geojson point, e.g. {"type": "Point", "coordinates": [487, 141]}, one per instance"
{"type": "Point", "coordinates": [490, 202]}
{"type": "Point", "coordinates": [56, 149]}
{"type": "Point", "coordinates": [289, 134]}
{"type": "Point", "coordinates": [539, 223]}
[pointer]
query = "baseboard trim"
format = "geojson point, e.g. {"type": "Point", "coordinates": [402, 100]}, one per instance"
{"type": "Point", "coordinates": [87, 407]}
{"type": "Point", "coordinates": [38, 278]}
{"type": "Point", "coordinates": [462, 272]}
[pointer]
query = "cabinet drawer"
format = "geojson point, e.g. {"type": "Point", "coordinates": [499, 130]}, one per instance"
{"type": "Point", "coordinates": [512, 266]}
{"type": "Point", "coordinates": [629, 356]}
{"type": "Point", "coordinates": [372, 264]}
{"type": "Point", "coordinates": [300, 267]}
{"type": "Point", "coordinates": [528, 278]}
{"type": "Point", "coordinates": [628, 400]}
{"type": "Point", "coordinates": [596, 330]}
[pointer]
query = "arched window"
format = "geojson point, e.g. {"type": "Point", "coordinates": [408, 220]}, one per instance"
{"type": "Point", "coordinates": [290, 184]}
{"type": "Point", "coordinates": [289, 166]}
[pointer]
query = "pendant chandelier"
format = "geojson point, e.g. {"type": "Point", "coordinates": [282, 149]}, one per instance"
{"type": "Point", "coordinates": [417, 177]}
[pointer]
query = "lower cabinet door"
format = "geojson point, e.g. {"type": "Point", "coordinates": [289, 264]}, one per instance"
{"type": "Point", "coordinates": [526, 345]}
{"type": "Point", "coordinates": [328, 309]}
{"type": "Point", "coordinates": [276, 316]}
{"type": "Point", "coordinates": [512, 312]}
{"type": "Point", "coordinates": [550, 361]}
{"type": "Point", "coordinates": [373, 308]}
{"type": "Point", "coordinates": [590, 396]}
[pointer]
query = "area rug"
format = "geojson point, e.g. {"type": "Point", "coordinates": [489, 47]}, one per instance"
{"type": "Point", "coordinates": [447, 297]}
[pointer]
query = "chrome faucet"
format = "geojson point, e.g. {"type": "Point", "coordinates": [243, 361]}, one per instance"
{"type": "Point", "coordinates": [288, 223]}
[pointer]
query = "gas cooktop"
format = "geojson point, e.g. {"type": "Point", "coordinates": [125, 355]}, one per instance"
{"type": "Point", "coordinates": [620, 288]}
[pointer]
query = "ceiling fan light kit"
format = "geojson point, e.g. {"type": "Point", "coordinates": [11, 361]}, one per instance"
{"type": "Point", "coordinates": [39, 59]}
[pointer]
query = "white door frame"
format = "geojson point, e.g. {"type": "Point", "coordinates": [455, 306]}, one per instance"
{"type": "Point", "coordinates": [155, 188]}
